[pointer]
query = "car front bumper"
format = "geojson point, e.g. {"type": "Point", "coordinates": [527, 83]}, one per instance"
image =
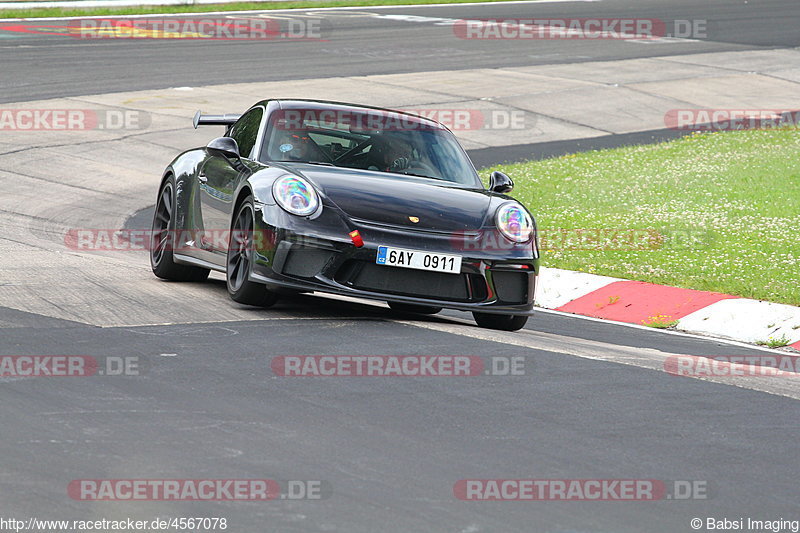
{"type": "Point", "coordinates": [319, 255]}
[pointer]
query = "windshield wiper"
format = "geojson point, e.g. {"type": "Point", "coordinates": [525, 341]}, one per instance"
{"type": "Point", "coordinates": [324, 163]}
{"type": "Point", "coordinates": [422, 176]}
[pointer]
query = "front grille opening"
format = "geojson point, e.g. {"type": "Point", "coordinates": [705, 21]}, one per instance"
{"type": "Point", "coordinates": [407, 282]}
{"type": "Point", "coordinates": [511, 287]}
{"type": "Point", "coordinates": [306, 262]}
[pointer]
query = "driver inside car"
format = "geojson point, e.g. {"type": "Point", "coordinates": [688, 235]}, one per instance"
{"type": "Point", "coordinates": [291, 146]}
{"type": "Point", "coordinates": [389, 156]}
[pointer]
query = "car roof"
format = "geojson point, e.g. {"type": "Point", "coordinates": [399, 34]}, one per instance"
{"type": "Point", "coordinates": [302, 103]}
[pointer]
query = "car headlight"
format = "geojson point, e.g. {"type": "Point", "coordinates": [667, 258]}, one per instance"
{"type": "Point", "coordinates": [514, 222]}
{"type": "Point", "coordinates": [295, 195]}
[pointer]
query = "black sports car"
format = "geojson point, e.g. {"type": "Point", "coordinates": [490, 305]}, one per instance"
{"type": "Point", "coordinates": [303, 196]}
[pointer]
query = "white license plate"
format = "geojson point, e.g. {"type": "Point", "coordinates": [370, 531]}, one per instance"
{"type": "Point", "coordinates": [401, 257]}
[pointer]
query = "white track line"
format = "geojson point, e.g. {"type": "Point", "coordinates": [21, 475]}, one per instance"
{"type": "Point", "coordinates": [646, 358]}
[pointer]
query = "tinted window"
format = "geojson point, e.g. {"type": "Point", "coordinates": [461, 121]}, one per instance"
{"type": "Point", "coordinates": [377, 140]}
{"type": "Point", "coordinates": [245, 131]}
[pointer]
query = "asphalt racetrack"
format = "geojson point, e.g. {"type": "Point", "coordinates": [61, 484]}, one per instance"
{"type": "Point", "coordinates": [367, 41]}
{"type": "Point", "coordinates": [204, 400]}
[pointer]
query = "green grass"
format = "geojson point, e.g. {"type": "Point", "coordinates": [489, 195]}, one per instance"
{"type": "Point", "coordinates": [660, 322]}
{"type": "Point", "coordinates": [727, 206]}
{"type": "Point", "coordinates": [775, 342]}
{"type": "Point", "coordinates": [204, 8]}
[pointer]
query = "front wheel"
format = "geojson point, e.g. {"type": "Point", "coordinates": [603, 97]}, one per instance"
{"type": "Point", "coordinates": [238, 265]}
{"type": "Point", "coordinates": [501, 322]}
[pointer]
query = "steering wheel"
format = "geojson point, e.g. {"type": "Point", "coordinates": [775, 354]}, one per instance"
{"type": "Point", "coordinates": [425, 167]}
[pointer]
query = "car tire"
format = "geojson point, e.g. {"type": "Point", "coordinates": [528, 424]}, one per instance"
{"type": "Point", "coordinates": [501, 322]}
{"type": "Point", "coordinates": [415, 309]}
{"type": "Point", "coordinates": [239, 260]}
{"type": "Point", "coordinates": [162, 240]}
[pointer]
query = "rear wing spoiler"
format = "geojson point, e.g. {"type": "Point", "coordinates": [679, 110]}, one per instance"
{"type": "Point", "coordinates": [214, 120]}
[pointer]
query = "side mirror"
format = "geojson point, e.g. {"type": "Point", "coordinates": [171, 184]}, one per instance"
{"type": "Point", "coordinates": [225, 146]}
{"type": "Point", "coordinates": [499, 182]}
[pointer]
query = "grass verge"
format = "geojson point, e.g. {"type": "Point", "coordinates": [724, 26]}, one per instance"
{"type": "Point", "coordinates": [205, 8]}
{"type": "Point", "coordinates": [775, 342]}
{"type": "Point", "coordinates": [710, 211]}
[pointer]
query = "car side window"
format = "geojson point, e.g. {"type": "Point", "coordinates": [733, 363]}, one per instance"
{"type": "Point", "coordinates": [245, 131]}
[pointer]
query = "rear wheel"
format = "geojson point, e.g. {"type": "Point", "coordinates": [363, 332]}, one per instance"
{"type": "Point", "coordinates": [238, 265]}
{"type": "Point", "coordinates": [414, 309]}
{"type": "Point", "coordinates": [162, 240]}
{"type": "Point", "coordinates": [501, 322]}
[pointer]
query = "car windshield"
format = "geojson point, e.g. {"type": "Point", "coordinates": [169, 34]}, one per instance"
{"type": "Point", "coordinates": [383, 141]}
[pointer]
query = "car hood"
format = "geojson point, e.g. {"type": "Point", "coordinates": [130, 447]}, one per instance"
{"type": "Point", "coordinates": [396, 200]}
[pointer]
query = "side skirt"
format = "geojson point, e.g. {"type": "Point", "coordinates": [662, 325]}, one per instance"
{"type": "Point", "coordinates": [188, 260]}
